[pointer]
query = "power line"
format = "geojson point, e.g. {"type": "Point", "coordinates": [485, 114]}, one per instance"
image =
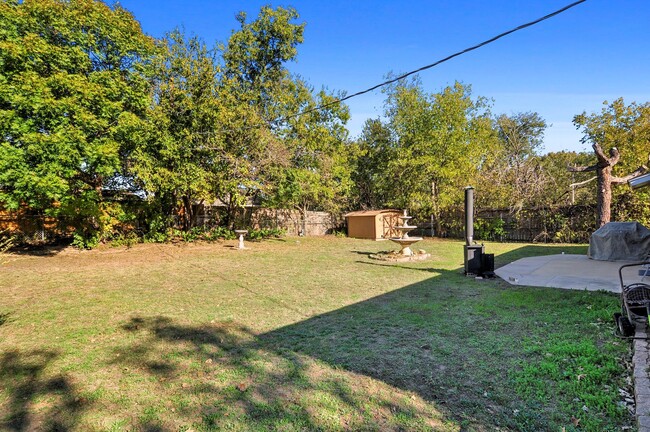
{"type": "Point", "coordinates": [429, 66]}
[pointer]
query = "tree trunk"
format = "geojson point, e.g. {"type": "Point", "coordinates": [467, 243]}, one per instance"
{"type": "Point", "coordinates": [435, 208]}
{"type": "Point", "coordinates": [188, 216]}
{"type": "Point", "coordinates": [302, 210]}
{"type": "Point", "coordinates": [603, 170]}
{"type": "Point", "coordinates": [604, 202]}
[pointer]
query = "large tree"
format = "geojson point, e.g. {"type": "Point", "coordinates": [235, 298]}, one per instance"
{"type": "Point", "coordinates": [176, 163]}
{"type": "Point", "coordinates": [625, 129]}
{"type": "Point", "coordinates": [258, 92]}
{"type": "Point", "coordinates": [514, 177]}
{"type": "Point", "coordinates": [72, 102]}
{"type": "Point", "coordinates": [317, 176]}
{"type": "Point", "coordinates": [442, 140]}
{"type": "Point", "coordinates": [372, 152]}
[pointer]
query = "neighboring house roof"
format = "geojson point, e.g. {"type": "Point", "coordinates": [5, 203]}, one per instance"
{"type": "Point", "coordinates": [371, 212]}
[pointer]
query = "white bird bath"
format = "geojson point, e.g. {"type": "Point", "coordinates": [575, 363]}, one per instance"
{"type": "Point", "coordinates": [404, 240]}
{"type": "Point", "coordinates": [241, 234]}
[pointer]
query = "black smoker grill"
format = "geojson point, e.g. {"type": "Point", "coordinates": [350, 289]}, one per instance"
{"type": "Point", "coordinates": [477, 262]}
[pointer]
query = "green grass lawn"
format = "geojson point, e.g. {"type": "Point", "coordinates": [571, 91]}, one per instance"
{"type": "Point", "coordinates": [300, 334]}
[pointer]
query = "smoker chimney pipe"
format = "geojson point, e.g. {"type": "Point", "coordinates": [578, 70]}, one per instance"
{"type": "Point", "coordinates": [469, 215]}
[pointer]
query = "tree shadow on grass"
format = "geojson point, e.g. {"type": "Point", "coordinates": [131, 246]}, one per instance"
{"type": "Point", "coordinates": [405, 267]}
{"type": "Point", "coordinates": [425, 340]}
{"type": "Point", "coordinates": [435, 355]}
{"type": "Point", "coordinates": [34, 399]}
{"type": "Point", "coordinates": [41, 250]}
{"type": "Point", "coordinates": [258, 384]}
{"type": "Point", "coordinates": [4, 318]}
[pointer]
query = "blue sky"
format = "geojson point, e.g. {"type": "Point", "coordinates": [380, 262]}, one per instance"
{"type": "Point", "coordinates": [597, 51]}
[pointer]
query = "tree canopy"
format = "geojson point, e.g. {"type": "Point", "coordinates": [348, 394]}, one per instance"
{"type": "Point", "coordinates": [90, 107]}
{"type": "Point", "coordinates": [431, 146]}
{"type": "Point", "coordinates": [72, 103]}
{"type": "Point", "coordinates": [620, 138]}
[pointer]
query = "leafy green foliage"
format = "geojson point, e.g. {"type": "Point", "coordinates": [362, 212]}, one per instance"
{"type": "Point", "coordinates": [318, 175]}
{"type": "Point", "coordinates": [265, 233]}
{"type": "Point", "coordinates": [374, 150]}
{"type": "Point", "coordinates": [255, 55]}
{"type": "Point", "coordinates": [627, 128]}
{"type": "Point", "coordinates": [217, 233]}
{"type": "Point", "coordinates": [177, 160]}
{"type": "Point", "coordinates": [129, 240]}
{"type": "Point", "coordinates": [72, 100]}
{"type": "Point", "coordinates": [489, 229]}
{"type": "Point", "coordinates": [441, 141]}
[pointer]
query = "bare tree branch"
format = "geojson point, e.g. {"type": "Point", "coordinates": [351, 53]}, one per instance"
{"type": "Point", "coordinates": [620, 180]}
{"type": "Point", "coordinates": [600, 154]}
{"type": "Point", "coordinates": [582, 168]}
{"type": "Point", "coordinates": [603, 160]}
{"type": "Point", "coordinates": [583, 182]}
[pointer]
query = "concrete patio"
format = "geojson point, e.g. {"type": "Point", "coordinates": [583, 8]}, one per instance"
{"type": "Point", "coordinates": [575, 272]}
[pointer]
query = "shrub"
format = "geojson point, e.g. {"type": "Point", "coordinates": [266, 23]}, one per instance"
{"type": "Point", "coordinates": [158, 230]}
{"type": "Point", "coordinates": [490, 229]}
{"type": "Point", "coordinates": [264, 233]}
{"type": "Point", "coordinates": [127, 240]}
{"type": "Point", "coordinates": [217, 233]}
{"type": "Point", "coordinates": [86, 240]}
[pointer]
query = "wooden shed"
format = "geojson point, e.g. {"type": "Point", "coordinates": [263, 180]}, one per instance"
{"type": "Point", "coordinates": [373, 224]}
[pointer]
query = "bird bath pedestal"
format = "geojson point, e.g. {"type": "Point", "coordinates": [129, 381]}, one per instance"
{"type": "Point", "coordinates": [241, 234]}
{"type": "Point", "coordinates": [404, 240]}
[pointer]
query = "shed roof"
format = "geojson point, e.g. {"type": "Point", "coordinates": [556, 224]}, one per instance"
{"type": "Point", "coordinates": [371, 212]}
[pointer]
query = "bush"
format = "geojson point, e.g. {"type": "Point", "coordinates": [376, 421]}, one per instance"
{"type": "Point", "coordinates": [264, 233]}
{"type": "Point", "coordinates": [489, 229]}
{"type": "Point", "coordinates": [158, 230]}
{"type": "Point", "coordinates": [159, 235]}
{"type": "Point", "coordinates": [217, 233]}
{"type": "Point", "coordinates": [86, 240]}
{"type": "Point", "coordinates": [127, 240]}
{"type": "Point", "coordinates": [191, 235]}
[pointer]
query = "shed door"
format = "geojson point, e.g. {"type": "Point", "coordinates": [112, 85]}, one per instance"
{"type": "Point", "coordinates": [389, 223]}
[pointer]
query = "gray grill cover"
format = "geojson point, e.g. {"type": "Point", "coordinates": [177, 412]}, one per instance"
{"type": "Point", "coordinates": [620, 241]}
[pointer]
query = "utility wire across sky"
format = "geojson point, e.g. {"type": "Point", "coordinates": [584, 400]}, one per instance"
{"type": "Point", "coordinates": [429, 66]}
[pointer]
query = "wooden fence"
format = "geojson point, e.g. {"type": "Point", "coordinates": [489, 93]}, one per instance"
{"type": "Point", "coordinates": [565, 224]}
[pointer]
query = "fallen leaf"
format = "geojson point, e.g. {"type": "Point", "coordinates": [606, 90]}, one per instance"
{"type": "Point", "coordinates": [575, 421]}
{"type": "Point", "coordinates": [242, 386]}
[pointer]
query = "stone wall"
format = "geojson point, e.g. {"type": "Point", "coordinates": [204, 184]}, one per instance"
{"type": "Point", "coordinates": [315, 224]}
